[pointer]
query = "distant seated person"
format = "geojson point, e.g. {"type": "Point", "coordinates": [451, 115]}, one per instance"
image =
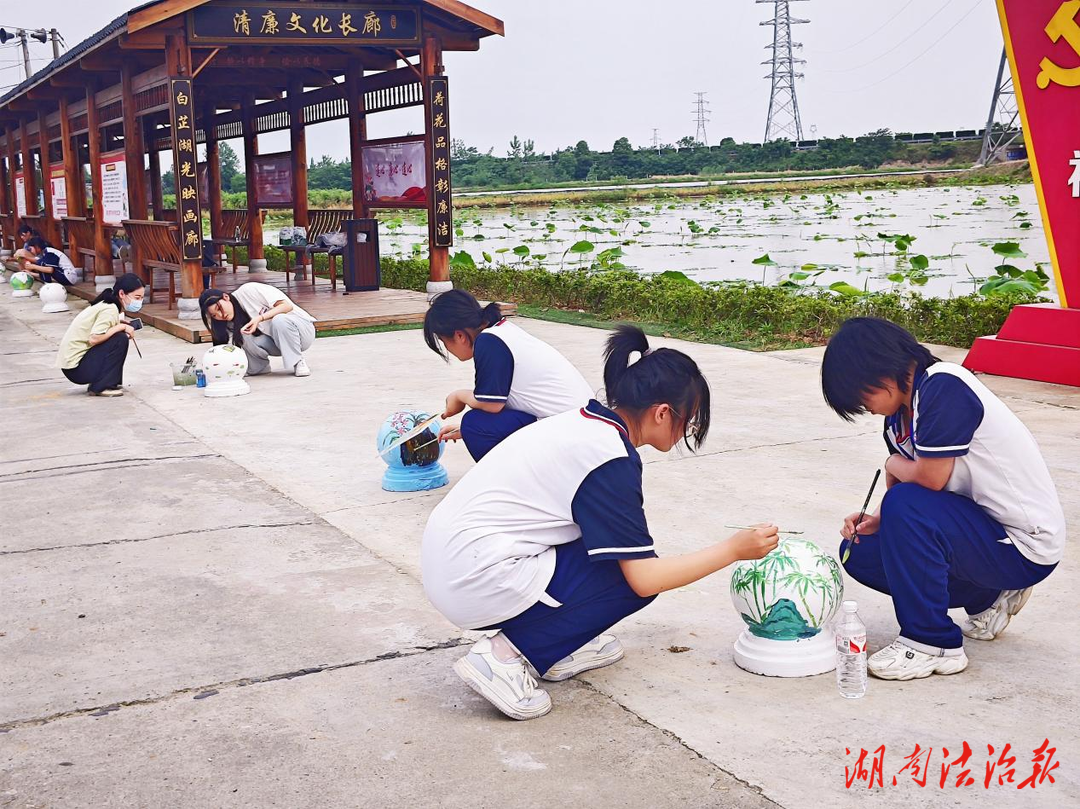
{"type": "Point", "coordinates": [25, 233]}
{"type": "Point", "coordinates": [46, 264]}
{"type": "Point", "coordinates": [263, 321]}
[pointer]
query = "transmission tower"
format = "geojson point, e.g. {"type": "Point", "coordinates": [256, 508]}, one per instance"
{"type": "Point", "coordinates": [656, 140]}
{"type": "Point", "coordinates": [701, 116]}
{"type": "Point", "coordinates": [1003, 123]}
{"type": "Point", "coordinates": [783, 120]}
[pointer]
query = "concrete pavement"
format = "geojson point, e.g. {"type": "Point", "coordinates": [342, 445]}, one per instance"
{"type": "Point", "coordinates": [254, 619]}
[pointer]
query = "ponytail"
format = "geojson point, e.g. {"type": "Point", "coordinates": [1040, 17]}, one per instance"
{"type": "Point", "coordinates": [453, 311]}
{"type": "Point", "coordinates": [657, 376]}
{"type": "Point", "coordinates": [126, 283]}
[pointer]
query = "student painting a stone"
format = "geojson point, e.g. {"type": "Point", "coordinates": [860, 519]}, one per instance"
{"type": "Point", "coordinates": [263, 321]}
{"type": "Point", "coordinates": [95, 345]}
{"type": "Point", "coordinates": [46, 264]}
{"type": "Point", "coordinates": [971, 517]}
{"type": "Point", "coordinates": [544, 542]}
{"type": "Point", "coordinates": [24, 234]}
{"type": "Point", "coordinates": [519, 378]}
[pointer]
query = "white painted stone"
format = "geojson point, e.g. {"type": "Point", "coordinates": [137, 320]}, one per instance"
{"type": "Point", "coordinates": [53, 298]}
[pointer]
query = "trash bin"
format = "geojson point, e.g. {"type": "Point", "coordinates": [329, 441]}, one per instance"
{"type": "Point", "coordinates": [361, 260]}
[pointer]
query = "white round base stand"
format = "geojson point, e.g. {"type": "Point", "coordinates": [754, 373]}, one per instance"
{"type": "Point", "coordinates": [435, 288]}
{"type": "Point", "coordinates": [256, 265]}
{"type": "Point", "coordinates": [785, 658]}
{"type": "Point", "coordinates": [22, 293]}
{"type": "Point", "coordinates": [102, 282]}
{"type": "Point", "coordinates": [235, 387]}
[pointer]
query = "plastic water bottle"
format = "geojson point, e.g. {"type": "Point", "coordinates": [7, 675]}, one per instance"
{"type": "Point", "coordinates": [850, 652]}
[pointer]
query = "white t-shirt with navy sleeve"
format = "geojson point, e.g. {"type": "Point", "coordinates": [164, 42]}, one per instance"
{"type": "Point", "coordinates": [525, 373]}
{"type": "Point", "coordinates": [998, 462]}
{"type": "Point", "coordinates": [488, 551]}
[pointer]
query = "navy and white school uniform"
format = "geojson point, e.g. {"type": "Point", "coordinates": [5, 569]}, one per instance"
{"type": "Point", "coordinates": [524, 373]}
{"type": "Point", "coordinates": [997, 525]}
{"type": "Point", "coordinates": [529, 539]}
{"type": "Point", "coordinates": [59, 262]}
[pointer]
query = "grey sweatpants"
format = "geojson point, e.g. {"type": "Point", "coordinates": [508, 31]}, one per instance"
{"type": "Point", "coordinates": [285, 336]}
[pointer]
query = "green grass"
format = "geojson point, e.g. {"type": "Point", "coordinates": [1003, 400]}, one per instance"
{"type": "Point", "coordinates": [371, 329]}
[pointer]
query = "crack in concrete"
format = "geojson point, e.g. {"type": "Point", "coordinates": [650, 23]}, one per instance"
{"type": "Point", "coordinates": [80, 468]}
{"type": "Point", "coordinates": [812, 440]}
{"type": "Point", "coordinates": [674, 737]}
{"type": "Point", "coordinates": [202, 691]}
{"type": "Point", "coordinates": [29, 381]}
{"type": "Point", "coordinates": [157, 536]}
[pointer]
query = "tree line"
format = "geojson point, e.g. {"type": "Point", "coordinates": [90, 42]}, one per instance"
{"type": "Point", "coordinates": [523, 166]}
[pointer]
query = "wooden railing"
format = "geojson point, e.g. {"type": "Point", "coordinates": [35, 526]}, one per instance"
{"type": "Point", "coordinates": [155, 246]}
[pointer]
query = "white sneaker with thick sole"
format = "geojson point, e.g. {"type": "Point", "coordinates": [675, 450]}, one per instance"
{"type": "Point", "coordinates": [301, 369]}
{"type": "Point", "coordinates": [990, 623]}
{"type": "Point", "coordinates": [898, 661]}
{"type": "Point", "coordinates": [507, 686]}
{"type": "Point", "coordinates": [603, 650]}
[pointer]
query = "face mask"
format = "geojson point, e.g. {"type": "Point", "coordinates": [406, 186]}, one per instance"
{"type": "Point", "coordinates": [133, 304]}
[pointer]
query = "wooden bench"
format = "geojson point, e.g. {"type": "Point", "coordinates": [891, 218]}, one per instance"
{"type": "Point", "coordinates": [80, 238]}
{"type": "Point", "coordinates": [156, 246]}
{"type": "Point", "coordinates": [321, 221]}
{"type": "Point", "coordinates": [232, 221]}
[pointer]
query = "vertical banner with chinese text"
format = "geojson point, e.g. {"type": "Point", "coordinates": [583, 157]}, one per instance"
{"type": "Point", "coordinates": [1042, 38]}
{"type": "Point", "coordinates": [20, 194]}
{"type": "Point", "coordinates": [442, 209]}
{"type": "Point", "coordinates": [114, 188]}
{"type": "Point", "coordinates": [58, 187]}
{"type": "Point", "coordinates": [188, 215]}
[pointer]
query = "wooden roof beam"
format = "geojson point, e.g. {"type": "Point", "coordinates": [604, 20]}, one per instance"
{"type": "Point", "coordinates": [98, 63]}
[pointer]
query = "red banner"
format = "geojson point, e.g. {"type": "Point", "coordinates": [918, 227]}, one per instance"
{"type": "Point", "coordinates": [273, 180]}
{"type": "Point", "coordinates": [1042, 38]}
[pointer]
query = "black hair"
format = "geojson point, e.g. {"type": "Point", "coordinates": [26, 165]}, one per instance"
{"type": "Point", "coordinates": [219, 329]}
{"type": "Point", "coordinates": [456, 310]}
{"type": "Point", "coordinates": [663, 376]}
{"type": "Point", "coordinates": [38, 242]}
{"type": "Point", "coordinates": [127, 283]}
{"type": "Point", "coordinates": [864, 353]}
{"type": "Point", "coordinates": [26, 227]}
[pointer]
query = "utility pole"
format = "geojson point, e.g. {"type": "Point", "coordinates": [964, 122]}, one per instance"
{"type": "Point", "coordinates": [701, 116]}
{"type": "Point", "coordinates": [54, 35]}
{"type": "Point", "coordinates": [21, 34]}
{"type": "Point", "coordinates": [1003, 123]}
{"type": "Point", "coordinates": [783, 119]}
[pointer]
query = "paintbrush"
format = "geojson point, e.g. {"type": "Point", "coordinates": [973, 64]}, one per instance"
{"type": "Point", "coordinates": [858, 522]}
{"type": "Point", "coordinates": [136, 345]}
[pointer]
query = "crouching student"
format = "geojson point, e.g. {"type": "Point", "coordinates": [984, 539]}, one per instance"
{"type": "Point", "coordinates": [519, 378]}
{"type": "Point", "coordinates": [263, 321]}
{"type": "Point", "coordinates": [23, 235]}
{"type": "Point", "coordinates": [47, 264]}
{"type": "Point", "coordinates": [95, 345]}
{"type": "Point", "coordinates": [970, 518]}
{"type": "Point", "coordinates": [544, 542]}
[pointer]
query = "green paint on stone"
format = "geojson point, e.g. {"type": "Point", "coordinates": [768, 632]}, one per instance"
{"type": "Point", "coordinates": [782, 622]}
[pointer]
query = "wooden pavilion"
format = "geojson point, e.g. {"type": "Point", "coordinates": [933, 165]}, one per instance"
{"type": "Point", "coordinates": [176, 74]}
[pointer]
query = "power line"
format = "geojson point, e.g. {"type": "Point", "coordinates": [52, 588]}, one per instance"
{"type": "Point", "coordinates": [883, 54]}
{"type": "Point", "coordinates": [932, 45]}
{"type": "Point", "coordinates": [872, 33]}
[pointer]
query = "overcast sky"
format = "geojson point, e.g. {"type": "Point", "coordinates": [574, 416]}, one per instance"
{"type": "Point", "coordinates": [603, 69]}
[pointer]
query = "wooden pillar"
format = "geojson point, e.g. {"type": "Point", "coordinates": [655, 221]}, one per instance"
{"type": "Point", "coordinates": [298, 147]}
{"type": "Point", "coordinates": [256, 253]}
{"type": "Point", "coordinates": [438, 257]}
{"type": "Point", "coordinates": [29, 180]}
{"type": "Point", "coordinates": [5, 195]}
{"type": "Point", "coordinates": [133, 147]}
{"type": "Point", "coordinates": [213, 174]}
{"type": "Point", "coordinates": [52, 226]}
{"type": "Point", "coordinates": [73, 181]}
{"type": "Point", "coordinates": [102, 249]}
{"type": "Point", "coordinates": [178, 64]}
{"type": "Point", "coordinates": [357, 134]}
{"type": "Point", "coordinates": [14, 190]}
{"type": "Point", "coordinates": [156, 200]}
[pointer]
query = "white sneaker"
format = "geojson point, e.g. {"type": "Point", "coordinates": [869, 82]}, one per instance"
{"type": "Point", "coordinates": [990, 623]}
{"type": "Point", "coordinates": [603, 650]}
{"type": "Point", "coordinates": [507, 686]}
{"type": "Point", "coordinates": [301, 369]}
{"type": "Point", "coordinates": [898, 661]}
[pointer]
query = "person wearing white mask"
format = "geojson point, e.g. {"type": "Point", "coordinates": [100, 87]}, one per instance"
{"type": "Point", "coordinates": [95, 345]}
